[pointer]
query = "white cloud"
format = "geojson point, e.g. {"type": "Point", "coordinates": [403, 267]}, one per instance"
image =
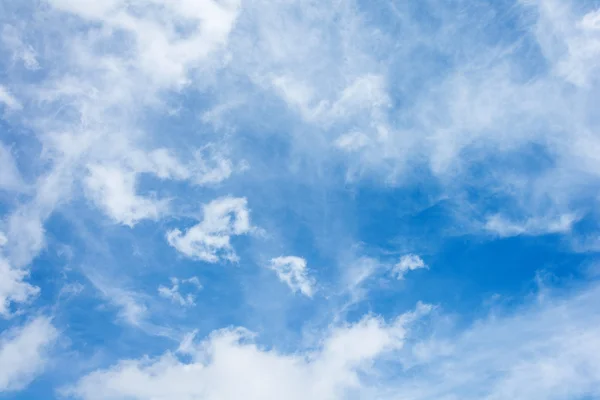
{"type": "Point", "coordinates": [193, 281]}
{"type": "Point", "coordinates": [206, 167]}
{"type": "Point", "coordinates": [487, 105]}
{"type": "Point", "coordinates": [546, 350]}
{"type": "Point", "coordinates": [342, 83]}
{"type": "Point", "coordinates": [114, 190]}
{"type": "Point", "coordinates": [591, 21]}
{"type": "Point", "coordinates": [408, 262]}
{"type": "Point", "coordinates": [569, 41]}
{"type": "Point", "coordinates": [112, 186]}
{"type": "Point", "coordinates": [210, 240]}
{"type": "Point", "coordinates": [334, 369]}
{"type": "Point", "coordinates": [25, 232]}
{"type": "Point", "coordinates": [173, 293]}
{"type": "Point", "coordinates": [23, 353]}
{"type": "Point", "coordinates": [8, 99]}
{"type": "Point", "coordinates": [109, 61]}
{"type": "Point", "coordinates": [162, 54]}
{"type": "Point", "coordinates": [13, 288]}
{"type": "Point", "coordinates": [292, 271]}
{"type": "Point", "coordinates": [532, 226]}
{"type": "Point", "coordinates": [211, 170]}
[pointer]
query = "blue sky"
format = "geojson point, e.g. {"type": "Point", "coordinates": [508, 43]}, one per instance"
{"type": "Point", "coordinates": [265, 199]}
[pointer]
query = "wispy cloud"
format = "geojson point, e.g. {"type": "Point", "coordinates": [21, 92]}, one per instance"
{"type": "Point", "coordinates": [9, 100]}
{"type": "Point", "coordinates": [532, 226]}
{"type": "Point", "coordinates": [126, 125]}
{"type": "Point", "coordinates": [174, 294]}
{"type": "Point", "coordinates": [24, 353]}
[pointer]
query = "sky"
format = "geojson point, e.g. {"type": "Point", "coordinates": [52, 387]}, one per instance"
{"type": "Point", "coordinates": [299, 199]}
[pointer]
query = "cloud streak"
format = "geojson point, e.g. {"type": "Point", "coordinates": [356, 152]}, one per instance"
{"type": "Point", "coordinates": [24, 353]}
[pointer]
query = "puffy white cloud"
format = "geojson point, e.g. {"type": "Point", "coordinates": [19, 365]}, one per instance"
{"type": "Point", "coordinates": [114, 191]}
{"type": "Point", "coordinates": [545, 350]}
{"type": "Point", "coordinates": [24, 353]}
{"type": "Point", "coordinates": [292, 271]}
{"type": "Point", "coordinates": [408, 262]}
{"type": "Point", "coordinates": [210, 240]}
{"type": "Point", "coordinates": [327, 79]}
{"type": "Point", "coordinates": [228, 365]}
{"type": "Point", "coordinates": [13, 288]}
{"type": "Point", "coordinates": [473, 111]}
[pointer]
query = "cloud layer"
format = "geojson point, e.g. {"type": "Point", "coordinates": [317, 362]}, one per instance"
{"type": "Point", "coordinates": [225, 199]}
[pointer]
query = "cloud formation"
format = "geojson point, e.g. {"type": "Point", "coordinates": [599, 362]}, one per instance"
{"type": "Point", "coordinates": [24, 353]}
{"type": "Point", "coordinates": [142, 138]}
{"type": "Point", "coordinates": [210, 240]}
{"type": "Point", "coordinates": [13, 288]}
{"type": "Point", "coordinates": [173, 293]}
{"type": "Point", "coordinates": [543, 351]}
{"type": "Point", "coordinates": [331, 371]}
{"type": "Point", "coordinates": [292, 271]}
{"type": "Point", "coordinates": [408, 262]}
